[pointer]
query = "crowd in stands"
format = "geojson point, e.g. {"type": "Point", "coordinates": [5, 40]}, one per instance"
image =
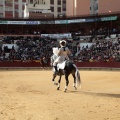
{"type": "Point", "coordinates": [29, 48]}
{"type": "Point", "coordinates": [36, 48]}
{"type": "Point", "coordinates": [101, 50]}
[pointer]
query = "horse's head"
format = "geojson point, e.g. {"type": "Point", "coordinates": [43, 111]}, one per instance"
{"type": "Point", "coordinates": [53, 58]}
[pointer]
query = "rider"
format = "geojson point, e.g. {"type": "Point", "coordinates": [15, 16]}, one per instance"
{"type": "Point", "coordinates": [62, 54]}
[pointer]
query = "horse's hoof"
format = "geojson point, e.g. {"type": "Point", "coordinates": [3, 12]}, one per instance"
{"type": "Point", "coordinates": [65, 90]}
{"type": "Point", "coordinates": [75, 88]}
{"type": "Point", "coordinates": [58, 88]}
{"type": "Point", "coordinates": [55, 83]}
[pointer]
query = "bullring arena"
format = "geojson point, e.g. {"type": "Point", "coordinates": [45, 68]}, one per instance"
{"type": "Point", "coordinates": [31, 95]}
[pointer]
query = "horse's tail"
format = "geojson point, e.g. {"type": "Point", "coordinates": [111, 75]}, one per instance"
{"type": "Point", "coordinates": [77, 75]}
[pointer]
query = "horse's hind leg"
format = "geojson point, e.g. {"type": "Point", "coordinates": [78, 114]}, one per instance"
{"type": "Point", "coordinates": [67, 82]}
{"type": "Point", "coordinates": [59, 83]}
{"type": "Point", "coordinates": [74, 84]}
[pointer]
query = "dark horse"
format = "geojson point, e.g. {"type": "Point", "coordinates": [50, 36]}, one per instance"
{"type": "Point", "coordinates": [70, 68]}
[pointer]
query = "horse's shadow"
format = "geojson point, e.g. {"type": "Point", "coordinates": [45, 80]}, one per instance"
{"type": "Point", "coordinates": [112, 95]}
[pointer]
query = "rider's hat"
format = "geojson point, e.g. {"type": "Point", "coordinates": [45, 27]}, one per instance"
{"type": "Point", "coordinates": [62, 41]}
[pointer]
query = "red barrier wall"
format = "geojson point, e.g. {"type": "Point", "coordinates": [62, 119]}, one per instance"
{"type": "Point", "coordinates": [19, 64]}
{"type": "Point", "coordinates": [99, 64]}
{"type": "Point", "coordinates": [79, 64]}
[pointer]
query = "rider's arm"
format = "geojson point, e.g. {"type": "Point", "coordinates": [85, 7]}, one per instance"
{"type": "Point", "coordinates": [59, 52]}
{"type": "Point", "coordinates": [68, 51]}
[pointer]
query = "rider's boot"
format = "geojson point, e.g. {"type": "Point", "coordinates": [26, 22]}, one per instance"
{"type": "Point", "coordinates": [56, 70]}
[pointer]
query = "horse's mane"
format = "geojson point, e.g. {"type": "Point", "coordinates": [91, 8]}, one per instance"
{"type": "Point", "coordinates": [69, 62]}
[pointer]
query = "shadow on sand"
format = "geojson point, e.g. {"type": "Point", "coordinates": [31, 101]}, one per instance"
{"type": "Point", "coordinates": [97, 94]}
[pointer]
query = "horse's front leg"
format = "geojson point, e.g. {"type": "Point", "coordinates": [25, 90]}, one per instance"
{"type": "Point", "coordinates": [59, 82]}
{"type": "Point", "coordinates": [67, 82]}
{"type": "Point", "coordinates": [53, 79]}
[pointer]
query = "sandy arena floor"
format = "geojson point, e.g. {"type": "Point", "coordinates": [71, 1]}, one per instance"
{"type": "Point", "coordinates": [31, 95]}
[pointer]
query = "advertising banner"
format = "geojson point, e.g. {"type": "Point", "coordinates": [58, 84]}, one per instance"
{"type": "Point", "coordinates": [109, 18]}
{"type": "Point", "coordinates": [16, 22]}
{"type": "Point", "coordinates": [3, 22]}
{"type": "Point", "coordinates": [32, 22]}
{"type": "Point", "coordinates": [47, 22]}
{"type": "Point", "coordinates": [57, 36]}
{"type": "Point", "coordinates": [61, 21]}
{"type": "Point", "coordinates": [76, 21]}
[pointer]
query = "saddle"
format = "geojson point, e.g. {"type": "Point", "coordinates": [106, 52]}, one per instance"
{"type": "Point", "coordinates": [61, 65]}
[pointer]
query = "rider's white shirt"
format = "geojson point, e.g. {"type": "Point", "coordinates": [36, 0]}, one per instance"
{"type": "Point", "coordinates": [63, 53]}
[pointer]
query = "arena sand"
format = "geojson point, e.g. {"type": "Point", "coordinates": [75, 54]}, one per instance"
{"type": "Point", "coordinates": [31, 95]}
